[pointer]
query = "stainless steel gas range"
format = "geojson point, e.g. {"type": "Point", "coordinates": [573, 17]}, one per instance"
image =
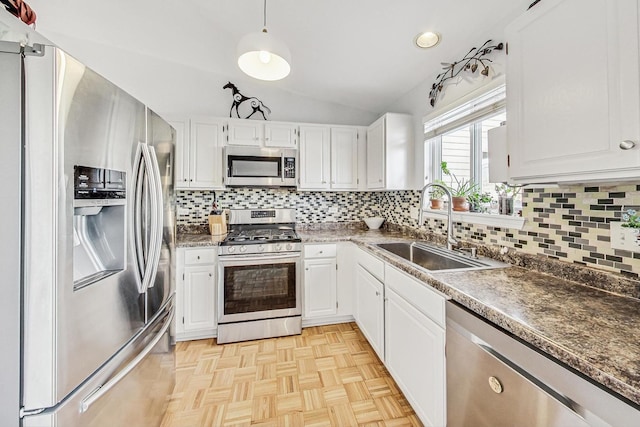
{"type": "Point", "coordinates": [260, 276]}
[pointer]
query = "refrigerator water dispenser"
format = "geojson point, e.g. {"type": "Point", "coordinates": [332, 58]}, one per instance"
{"type": "Point", "coordinates": [99, 241]}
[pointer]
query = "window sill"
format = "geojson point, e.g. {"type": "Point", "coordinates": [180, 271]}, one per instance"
{"type": "Point", "coordinates": [493, 220]}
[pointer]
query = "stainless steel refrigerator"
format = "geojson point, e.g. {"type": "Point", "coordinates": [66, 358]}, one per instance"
{"type": "Point", "coordinates": [86, 211]}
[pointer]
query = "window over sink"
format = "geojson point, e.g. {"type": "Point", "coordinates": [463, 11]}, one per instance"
{"type": "Point", "coordinates": [458, 139]}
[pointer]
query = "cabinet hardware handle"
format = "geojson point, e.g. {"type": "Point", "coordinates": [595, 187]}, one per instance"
{"type": "Point", "coordinates": [210, 274]}
{"type": "Point", "coordinates": [307, 268]}
{"type": "Point", "coordinates": [377, 293]}
{"type": "Point", "coordinates": [324, 182]}
{"type": "Point", "coordinates": [321, 252]}
{"type": "Point", "coordinates": [198, 257]}
{"type": "Point", "coordinates": [627, 145]}
{"type": "Point", "coordinates": [379, 180]}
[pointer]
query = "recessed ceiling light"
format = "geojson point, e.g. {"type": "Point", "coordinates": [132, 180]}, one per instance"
{"type": "Point", "coordinates": [427, 39]}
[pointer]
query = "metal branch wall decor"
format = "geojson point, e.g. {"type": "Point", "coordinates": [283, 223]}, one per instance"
{"type": "Point", "coordinates": [475, 59]}
{"type": "Point", "coordinates": [245, 106]}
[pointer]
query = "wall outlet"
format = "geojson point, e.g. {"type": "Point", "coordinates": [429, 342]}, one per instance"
{"type": "Point", "coordinates": [414, 212]}
{"type": "Point", "coordinates": [333, 209]}
{"type": "Point", "coordinates": [624, 238]}
{"type": "Point", "coordinates": [182, 211]}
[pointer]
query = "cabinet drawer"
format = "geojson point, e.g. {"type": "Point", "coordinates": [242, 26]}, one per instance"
{"type": "Point", "coordinates": [430, 302]}
{"type": "Point", "coordinates": [199, 256]}
{"type": "Point", "coordinates": [320, 251]}
{"type": "Point", "coordinates": [370, 263]}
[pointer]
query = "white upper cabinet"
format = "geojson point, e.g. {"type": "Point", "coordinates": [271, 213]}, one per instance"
{"type": "Point", "coordinates": [283, 135]}
{"type": "Point", "coordinates": [390, 153]}
{"type": "Point", "coordinates": [344, 158]}
{"type": "Point", "coordinates": [244, 132]}
{"type": "Point", "coordinates": [315, 168]}
{"type": "Point", "coordinates": [261, 134]}
{"type": "Point", "coordinates": [328, 158]}
{"type": "Point", "coordinates": [198, 153]}
{"type": "Point", "coordinates": [573, 97]}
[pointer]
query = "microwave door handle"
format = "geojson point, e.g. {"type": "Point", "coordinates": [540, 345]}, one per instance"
{"type": "Point", "coordinates": [282, 166]}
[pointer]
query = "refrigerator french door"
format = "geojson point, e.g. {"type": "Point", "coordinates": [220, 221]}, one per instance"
{"type": "Point", "coordinates": [95, 278]}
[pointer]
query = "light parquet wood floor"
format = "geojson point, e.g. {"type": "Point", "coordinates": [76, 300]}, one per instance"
{"type": "Point", "coordinates": [328, 376]}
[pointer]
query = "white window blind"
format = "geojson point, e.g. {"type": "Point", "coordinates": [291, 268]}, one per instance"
{"type": "Point", "coordinates": [481, 107]}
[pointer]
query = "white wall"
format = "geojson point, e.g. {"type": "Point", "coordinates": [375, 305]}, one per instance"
{"type": "Point", "coordinates": [175, 89]}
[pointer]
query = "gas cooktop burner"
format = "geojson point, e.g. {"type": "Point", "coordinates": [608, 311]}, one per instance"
{"type": "Point", "coordinates": [260, 236]}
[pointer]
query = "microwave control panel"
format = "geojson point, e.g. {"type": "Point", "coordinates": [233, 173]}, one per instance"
{"type": "Point", "coordinates": [289, 167]}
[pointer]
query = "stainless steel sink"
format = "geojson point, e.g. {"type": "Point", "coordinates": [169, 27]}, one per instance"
{"type": "Point", "coordinates": [434, 258]}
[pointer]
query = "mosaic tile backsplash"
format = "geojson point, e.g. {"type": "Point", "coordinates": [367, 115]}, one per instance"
{"type": "Point", "coordinates": [311, 207]}
{"type": "Point", "coordinates": [569, 223]}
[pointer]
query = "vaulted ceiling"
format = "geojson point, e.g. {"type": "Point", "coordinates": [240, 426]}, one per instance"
{"type": "Point", "coordinates": [358, 53]}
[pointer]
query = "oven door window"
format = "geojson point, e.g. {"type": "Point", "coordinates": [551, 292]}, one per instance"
{"type": "Point", "coordinates": [252, 166]}
{"type": "Point", "coordinates": [264, 287]}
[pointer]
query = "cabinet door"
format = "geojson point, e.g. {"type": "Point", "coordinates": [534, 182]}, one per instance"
{"type": "Point", "coordinates": [414, 347]}
{"type": "Point", "coordinates": [320, 286]}
{"type": "Point", "coordinates": [369, 310]}
{"type": "Point", "coordinates": [344, 158]}
{"type": "Point", "coordinates": [574, 93]}
{"type": "Point", "coordinates": [376, 155]}
{"type": "Point", "coordinates": [205, 167]}
{"type": "Point", "coordinates": [280, 135]}
{"type": "Point", "coordinates": [314, 157]}
{"type": "Point", "coordinates": [182, 153]}
{"type": "Point", "coordinates": [244, 132]}
{"type": "Point", "coordinates": [199, 298]}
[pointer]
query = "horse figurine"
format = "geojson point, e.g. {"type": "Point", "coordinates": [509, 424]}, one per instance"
{"type": "Point", "coordinates": [249, 106]}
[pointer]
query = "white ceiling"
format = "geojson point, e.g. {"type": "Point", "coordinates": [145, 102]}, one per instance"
{"type": "Point", "coordinates": [357, 53]}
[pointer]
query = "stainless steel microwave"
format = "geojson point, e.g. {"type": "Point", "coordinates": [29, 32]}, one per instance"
{"type": "Point", "coordinates": [260, 167]}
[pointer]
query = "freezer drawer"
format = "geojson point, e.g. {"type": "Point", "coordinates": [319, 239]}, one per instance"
{"type": "Point", "coordinates": [142, 381]}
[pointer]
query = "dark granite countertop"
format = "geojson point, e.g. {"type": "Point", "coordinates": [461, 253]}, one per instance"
{"type": "Point", "coordinates": [591, 330]}
{"type": "Point", "coordinates": [194, 240]}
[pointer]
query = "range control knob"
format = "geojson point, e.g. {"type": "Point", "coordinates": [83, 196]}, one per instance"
{"type": "Point", "coordinates": [231, 249]}
{"type": "Point", "coordinates": [260, 248]}
{"type": "Point", "coordinates": [278, 247]}
{"type": "Point", "coordinates": [289, 246]}
{"type": "Point", "coordinates": [243, 249]}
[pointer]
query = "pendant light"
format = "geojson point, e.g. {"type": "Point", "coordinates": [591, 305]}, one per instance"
{"type": "Point", "coordinates": [262, 56]}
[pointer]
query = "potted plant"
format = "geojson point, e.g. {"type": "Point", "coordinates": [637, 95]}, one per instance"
{"type": "Point", "coordinates": [460, 189]}
{"type": "Point", "coordinates": [437, 194]}
{"type": "Point", "coordinates": [632, 219]}
{"type": "Point", "coordinates": [478, 201]}
{"type": "Point", "coordinates": [506, 193]}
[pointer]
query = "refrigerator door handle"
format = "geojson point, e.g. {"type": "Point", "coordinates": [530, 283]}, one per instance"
{"type": "Point", "coordinates": [156, 241]}
{"type": "Point", "coordinates": [136, 215]}
{"type": "Point", "coordinates": [103, 389]}
{"type": "Point", "coordinates": [150, 267]}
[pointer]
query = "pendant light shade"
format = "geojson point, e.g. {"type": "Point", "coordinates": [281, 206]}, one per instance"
{"type": "Point", "coordinates": [262, 56]}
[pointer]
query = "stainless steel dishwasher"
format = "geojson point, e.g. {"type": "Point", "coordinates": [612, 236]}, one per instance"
{"type": "Point", "coordinates": [495, 380]}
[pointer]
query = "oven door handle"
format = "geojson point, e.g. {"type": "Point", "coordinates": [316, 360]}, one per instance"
{"type": "Point", "coordinates": [252, 257]}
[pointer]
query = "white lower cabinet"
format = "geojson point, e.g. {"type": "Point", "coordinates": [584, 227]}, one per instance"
{"type": "Point", "coordinates": [195, 293]}
{"type": "Point", "coordinates": [320, 296]}
{"type": "Point", "coordinates": [327, 283]}
{"type": "Point", "coordinates": [415, 357]}
{"type": "Point", "coordinates": [369, 309]}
